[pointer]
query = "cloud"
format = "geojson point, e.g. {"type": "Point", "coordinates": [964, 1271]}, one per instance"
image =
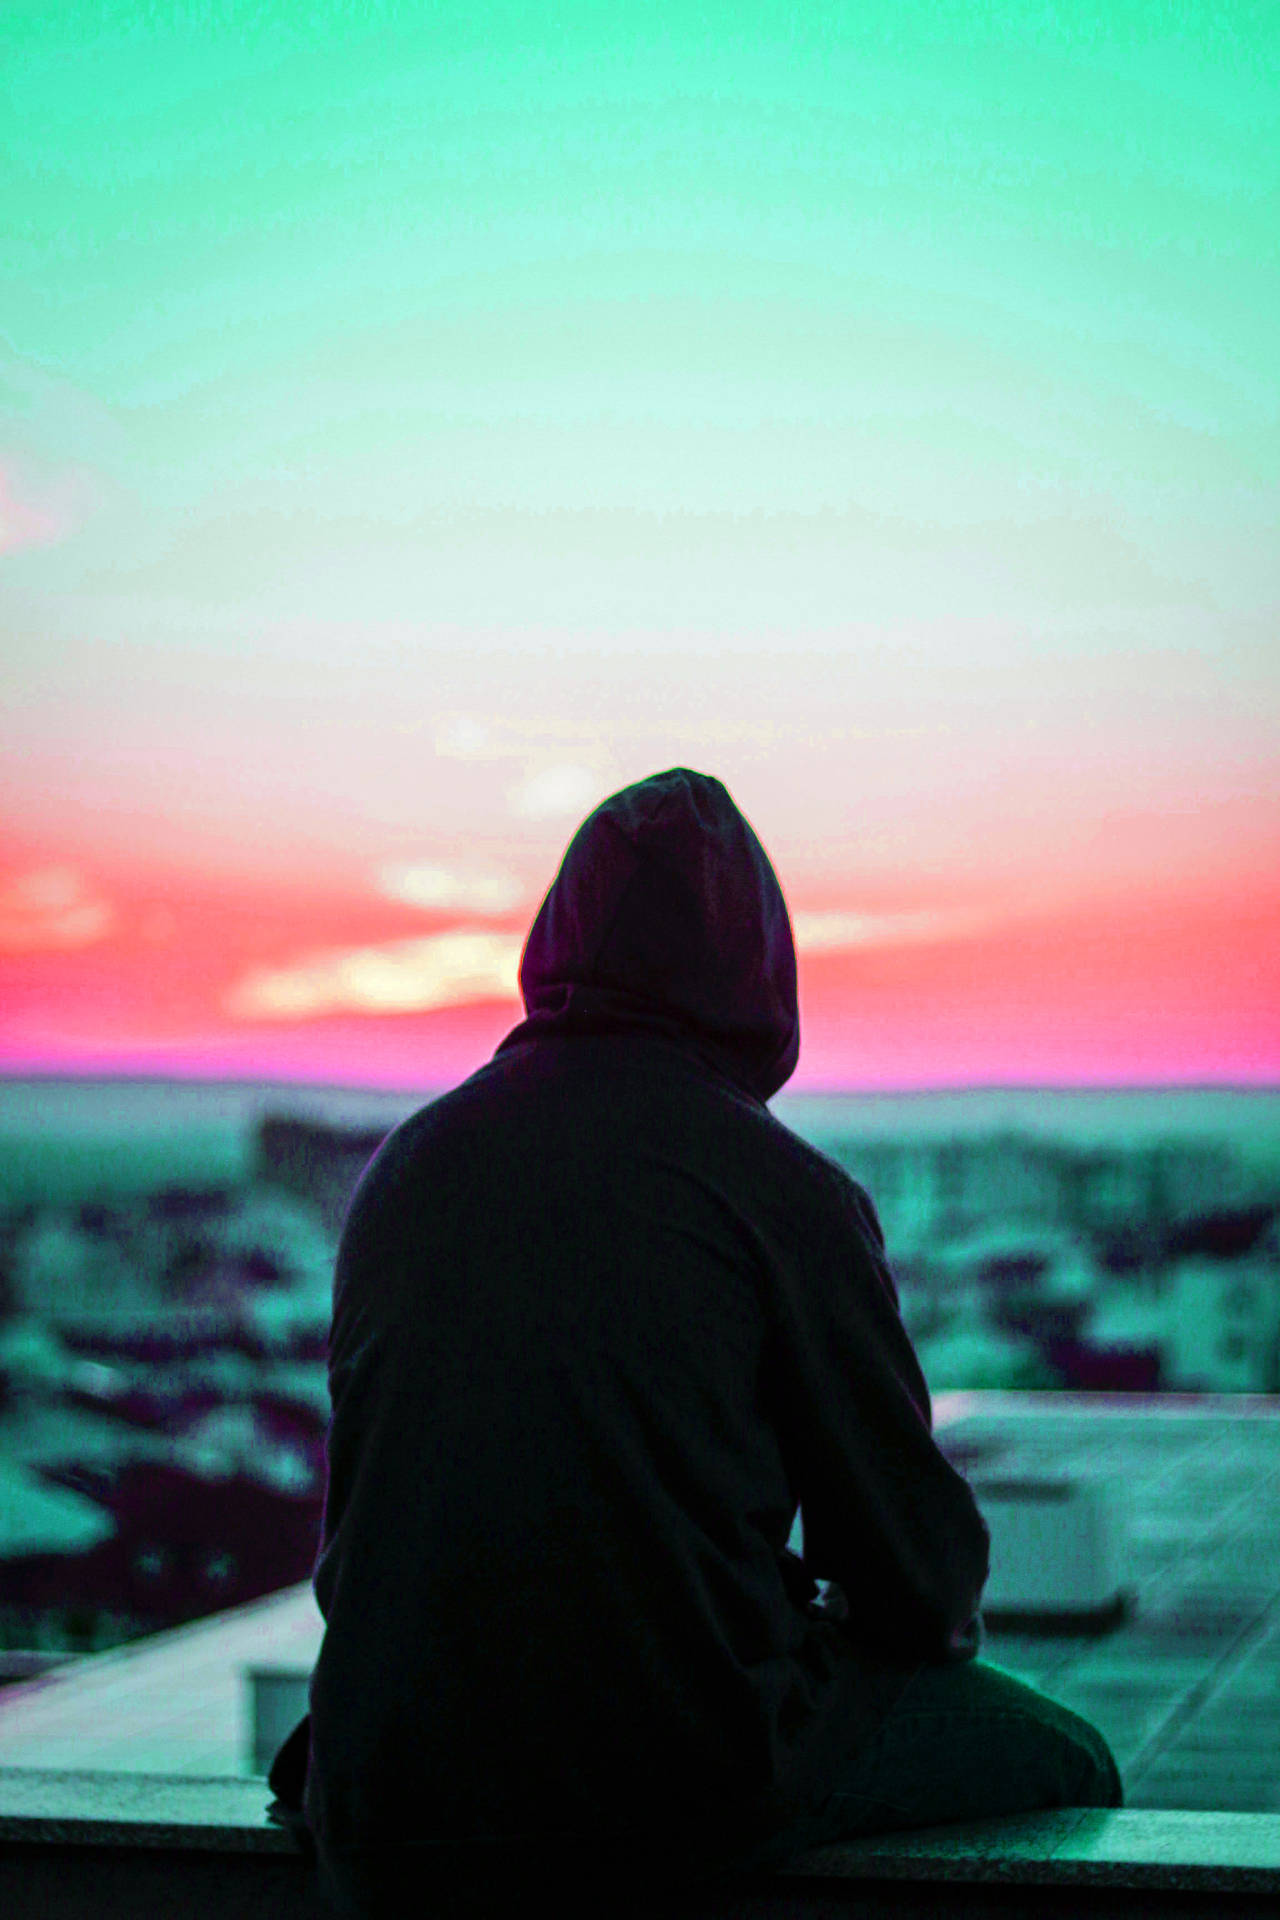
{"type": "Point", "coordinates": [557, 792]}
{"type": "Point", "coordinates": [403, 976]}
{"type": "Point", "coordinates": [473, 889]}
{"type": "Point", "coordinates": [460, 736]}
{"type": "Point", "coordinates": [51, 909]}
{"type": "Point", "coordinates": [468, 964]}
{"type": "Point", "coordinates": [838, 932]}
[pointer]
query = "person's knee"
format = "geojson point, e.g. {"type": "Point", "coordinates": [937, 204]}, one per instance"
{"type": "Point", "coordinates": [1088, 1769]}
{"type": "Point", "coordinates": [1099, 1783]}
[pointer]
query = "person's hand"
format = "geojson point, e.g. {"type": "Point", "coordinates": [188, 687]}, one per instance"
{"type": "Point", "coordinates": [831, 1603]}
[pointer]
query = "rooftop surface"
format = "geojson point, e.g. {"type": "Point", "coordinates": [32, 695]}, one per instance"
{"type": "Point", "coordinates": [1186, 1689]}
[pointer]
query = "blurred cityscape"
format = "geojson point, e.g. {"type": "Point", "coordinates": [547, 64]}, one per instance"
{"type": "Point", "coordinates": [163, 1391]}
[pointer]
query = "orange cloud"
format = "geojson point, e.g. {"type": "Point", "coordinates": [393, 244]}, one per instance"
{"type": "Point", "coordinates": [841, 932]}
{"type": "Point", "coordinates": [401, 976]}
{"type": "Point", "coordinates": [471, 889]}
{"type": "Point", "coordinates": [469, 963]}
{"type": "Point", "coordinates": [50, 909]}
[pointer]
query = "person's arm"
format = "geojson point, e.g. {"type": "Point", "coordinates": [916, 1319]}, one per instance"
{"type": "Point", "coordinates": [886, 1517]}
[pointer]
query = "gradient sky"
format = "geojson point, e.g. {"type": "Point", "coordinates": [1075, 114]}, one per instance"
{"type": "Point", "coordinates": [417, 422]}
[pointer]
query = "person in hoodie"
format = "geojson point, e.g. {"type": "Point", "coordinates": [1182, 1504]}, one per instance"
{"type": "Point", "coordinates": [601, 1324]}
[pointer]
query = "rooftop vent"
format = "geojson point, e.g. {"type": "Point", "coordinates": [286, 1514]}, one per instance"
{"type": "Point", "coordinates": [278, 1698]}
{"type": "Point", "coordinates": [1056, 1553]}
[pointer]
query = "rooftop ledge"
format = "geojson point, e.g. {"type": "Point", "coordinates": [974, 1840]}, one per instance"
{"type": "Point", "coordinates": [98, 1844]}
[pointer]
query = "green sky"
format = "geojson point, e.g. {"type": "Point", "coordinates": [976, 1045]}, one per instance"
{"type": "Point", "coordinates": [930, 267]}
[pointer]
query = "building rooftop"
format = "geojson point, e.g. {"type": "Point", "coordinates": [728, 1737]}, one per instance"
{"type": "Point", "coordinates": [1186, 1688]}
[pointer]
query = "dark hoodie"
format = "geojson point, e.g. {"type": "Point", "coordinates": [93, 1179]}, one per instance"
{"type": "Point", "coordinates": [600, 1323]}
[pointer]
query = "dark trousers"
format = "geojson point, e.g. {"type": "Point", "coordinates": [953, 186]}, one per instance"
{"type": "Point", "coordinates": [963, 1742]}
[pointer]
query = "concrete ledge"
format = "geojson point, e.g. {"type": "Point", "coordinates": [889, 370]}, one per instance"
{"type": "Point", "coordinates": [1074, 1847]}
{"type": "Point", "coordinates": [85, 1846]}
{"type": "Point", "coordinates": [138, 1810]}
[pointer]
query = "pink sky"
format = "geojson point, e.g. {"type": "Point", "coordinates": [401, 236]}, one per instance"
{"type": "Point", "coordinates": [107, 967]}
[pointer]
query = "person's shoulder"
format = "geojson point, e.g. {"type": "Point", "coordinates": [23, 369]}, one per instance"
{"type": "Point", "coordinates": [819, 1166]}
{"type": "Point", "coordinates": [831, 1185]}
{"type": "Point", "coordinates": [393, 1159]}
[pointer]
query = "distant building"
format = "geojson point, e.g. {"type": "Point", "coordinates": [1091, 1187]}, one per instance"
{"type": "Point", "coordinates": [1156, 1185]}
{"type": "Point", "coordinates": [149, 1543]}
{"type": "Point", "coordinates": [902, 1178]}
{"type": "Point", "coordinates": [978, 1357]}
{"type": "Point", "coordinates": [315, 1162]}
{"type": "Point", "coordinates": [927, 1191]}
{"type": "Point", "coordinates": [62, 1273]}
{"type": "Point", "coordinates": [1224, 1303]}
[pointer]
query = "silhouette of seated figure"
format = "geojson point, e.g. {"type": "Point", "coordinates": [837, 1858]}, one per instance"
{"type": "Point", "coordinates": [601, 1324]}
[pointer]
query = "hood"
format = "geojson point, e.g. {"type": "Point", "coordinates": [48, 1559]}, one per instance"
{"type": "Point", "coordinates": [666, 916]}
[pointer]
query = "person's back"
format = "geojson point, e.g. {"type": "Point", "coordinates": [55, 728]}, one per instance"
{"type": "Point", "coordinates": [600, 1322]}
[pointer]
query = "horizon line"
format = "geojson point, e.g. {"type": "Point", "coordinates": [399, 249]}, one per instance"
{"type": "Point", "coordinates": [57, 1076]}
